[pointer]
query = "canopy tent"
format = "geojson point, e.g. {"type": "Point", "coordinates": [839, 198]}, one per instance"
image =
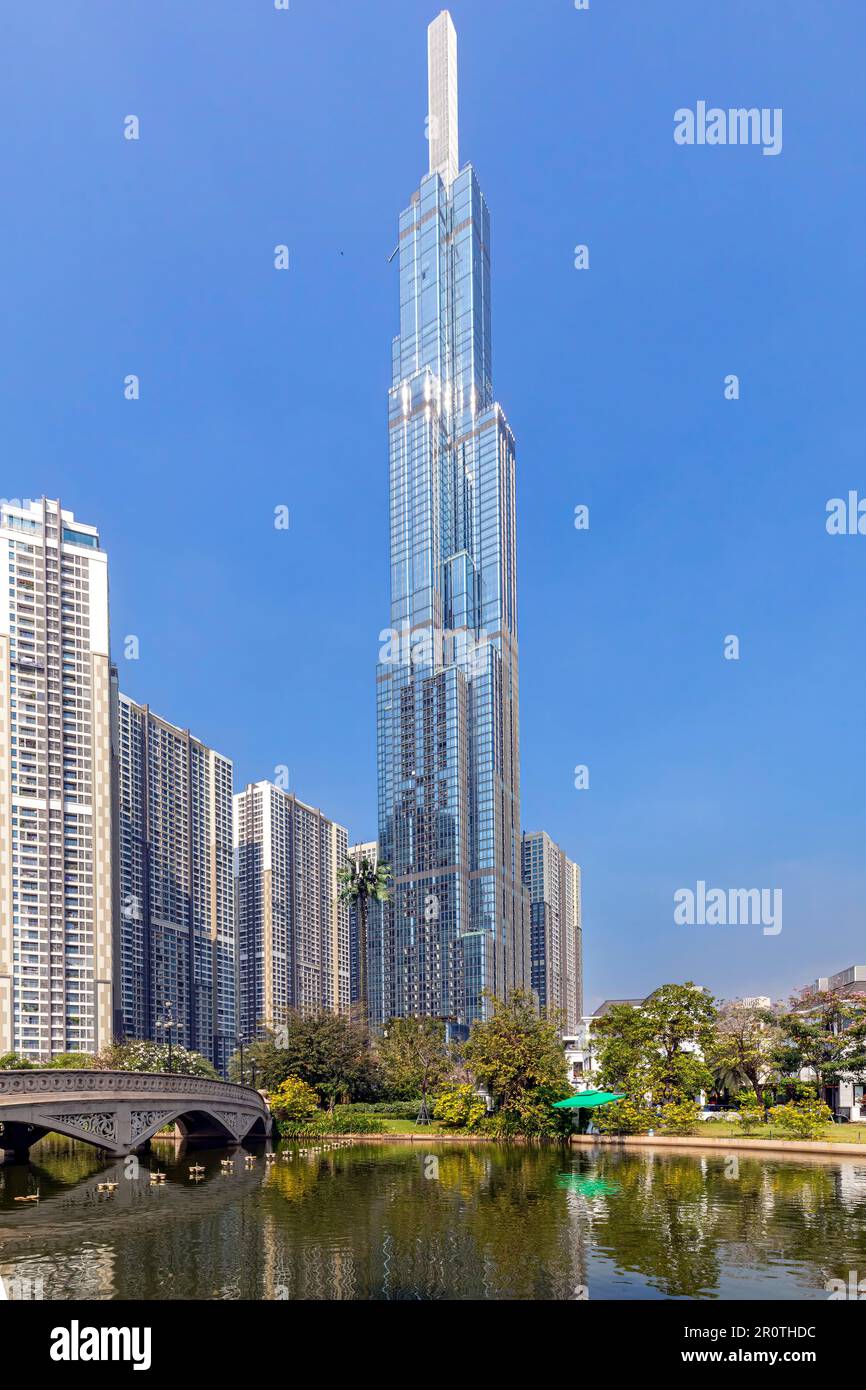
{"type": "Point", "coordinates": [584, 1100]}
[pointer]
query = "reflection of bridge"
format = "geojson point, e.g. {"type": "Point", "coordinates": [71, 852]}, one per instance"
{"type": "Point", "coordinates": [120, 1111]}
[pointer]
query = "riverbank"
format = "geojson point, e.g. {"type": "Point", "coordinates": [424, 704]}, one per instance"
{"type": "Point", "coordinates": [817, 1147]}
{"type": "Point", "coordinates": [726, 1143]}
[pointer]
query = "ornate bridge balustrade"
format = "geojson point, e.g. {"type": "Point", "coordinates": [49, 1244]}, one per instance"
{"type": "Point", "coordinates": [120, 1111]}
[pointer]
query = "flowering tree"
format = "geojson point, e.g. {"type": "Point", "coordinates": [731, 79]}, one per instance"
{"type": "Point", "coordinates": [140, 1055]}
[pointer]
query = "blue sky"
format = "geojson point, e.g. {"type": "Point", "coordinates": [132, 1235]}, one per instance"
{"type": "Point", "coordinates": [259, 388]}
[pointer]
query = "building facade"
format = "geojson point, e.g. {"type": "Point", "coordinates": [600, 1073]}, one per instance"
{"type": "Point", "coordinates": [556, 940]}
{"type": "Point", "coordinates": [56, 889]}
{"type": "Point", "coordinates": [293, 931]}
{"type": "Point", "coordinates": [369, 850]}
{"type": "Point", "coordinates": [177, 940]}
{"type": "Point", "coordinates": [447, 681]}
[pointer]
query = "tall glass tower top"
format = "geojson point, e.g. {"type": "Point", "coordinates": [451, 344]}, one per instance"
{"type": "Point", "coordinates": [448, 753]}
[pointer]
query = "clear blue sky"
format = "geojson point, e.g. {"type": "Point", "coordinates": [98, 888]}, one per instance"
{"type": "Point", "coordinates": [261, 388]}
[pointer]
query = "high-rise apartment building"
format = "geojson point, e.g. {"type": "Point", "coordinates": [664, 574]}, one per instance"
{"type": "Point", "coordinates": [56, 900]}
{"type": "Point", "coordinates": [293, 930]}
{"type": "Point", "coordinates": [556, 953]}
{"type": "Point", "coordinates": [447, 702]}
{"type": "Point", "coordinates": [376, 920]}
{"type": "Point", "coordinates": [177, 926]}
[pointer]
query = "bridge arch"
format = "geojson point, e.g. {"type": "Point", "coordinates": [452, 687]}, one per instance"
{"type": "Point", "coordinates": [121, 1111]}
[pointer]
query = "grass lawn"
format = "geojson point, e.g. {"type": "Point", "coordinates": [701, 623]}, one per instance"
{"type": "Point", "coordinates": [405, 1126]}
{"type": "Point", "coordinates": [728, 1129]}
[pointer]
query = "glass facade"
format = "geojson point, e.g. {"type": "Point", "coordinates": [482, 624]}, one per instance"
{"type": "Point", "coordinates": [447, 706]}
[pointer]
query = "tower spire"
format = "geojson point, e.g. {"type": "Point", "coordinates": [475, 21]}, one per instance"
{"type": "Point", "coordinates": [442, 97]}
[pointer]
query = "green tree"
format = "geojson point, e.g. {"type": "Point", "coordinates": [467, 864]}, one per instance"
{"type": "Point", "coordinates": [743, 1047]}
{"type": "Point", "coordinates": [13, 1061]}
{"type": "Point", "coordinates": [824, 1032]}
{"type": "Point", "coordinates": [331, 1052]}
{"type": "Point", "coordinates": [681, 1019]}
{"type": "Point", "coordinates": [517, 1055]}
{"type": "Point", "coordinates": [655, 1053]}
{"type": "Point", "coordinates": [414, 1057]}
{"type": "Point", "coordinates": [627, 1055]}
{"type": "Point", "coordinates": [72, 1061]}
{"type": "Point", "coordinates": [361, 881]}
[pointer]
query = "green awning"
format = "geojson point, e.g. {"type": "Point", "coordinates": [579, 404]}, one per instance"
{"type": "Point", "coordinates": [584, 1100]}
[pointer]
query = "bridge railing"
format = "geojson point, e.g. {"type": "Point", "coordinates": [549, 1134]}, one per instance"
{"type": "Point", "coordinates": [55, 1080]}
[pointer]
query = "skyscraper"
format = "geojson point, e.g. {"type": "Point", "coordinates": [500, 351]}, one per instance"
{"type": "Point", "coordinates": [447, 702]}
{"type": "Point", "coordinates": [55, 784]}
{"type": "Point", "coordinates": [556, 952]}
{"type": "Point", "coordinates": [177, 926]}
{"type": "Point", "coordinates": [376, 918]}
{"type": "Point", "coordinates": [293, 931]}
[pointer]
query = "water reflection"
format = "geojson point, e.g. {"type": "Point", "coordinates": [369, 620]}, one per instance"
{"type": "Point", "coordinates": [393, 1221]}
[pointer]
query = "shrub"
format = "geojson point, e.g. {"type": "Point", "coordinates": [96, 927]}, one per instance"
{"type": "Point", "coordinates": [351, 1124]}
{"type": "Point", "coordinates": [10, 1061]}
{"type": "Point", "coordinates": [72, 1061]}
{"type": "Point", "coordinates": [625, 1117]}
{"type": "Point", "coordinates": [329, 1124]}
{"type": "Point", "coordinates": [387, 1109]}
{"type": "Point", "coordinates": [294, 1100]}
{"type": "Point", "coordinates": [458, 1107]}
{"type": "Point", "coordinates": [752, 1114]}
{"type": "Point", "coordinates": [680, 1117]}
{"type": "Point", "coordinates": [802, 1119]}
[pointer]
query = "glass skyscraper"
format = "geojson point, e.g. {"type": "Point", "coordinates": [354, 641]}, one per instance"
{"type": "Point", "coordinates": [447, 703]}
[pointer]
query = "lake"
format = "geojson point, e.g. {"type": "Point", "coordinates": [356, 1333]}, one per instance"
{"type": "Point", "coordinates": [430, 1221]}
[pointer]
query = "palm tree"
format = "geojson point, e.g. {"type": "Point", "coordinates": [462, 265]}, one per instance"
{"type": "Point", "coordinates": [362, 881]}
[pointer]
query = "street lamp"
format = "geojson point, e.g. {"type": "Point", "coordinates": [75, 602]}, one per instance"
{"type": "Point", "coordinates": [241, 1044]}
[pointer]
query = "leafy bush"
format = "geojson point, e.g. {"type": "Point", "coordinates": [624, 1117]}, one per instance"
{"type": "Point", "coordinates": [72, 1061]}
{"type": "Point", "coordinates": [294, 1100]}
{"type": "Point", "coordinates": [329, 1124]}
{"type": "Point", "coordinates": [680, 1117]}
{"type": "Point", "coordinates": [625, 1117]}
{"type": "Point", "coordinates": [387, 1109]}
{"type": "Point", "coordinates": [751, 1114]}
{"type": "Point", "coordinates": [11, 1061]}
{"type": "Point", "coordinates": [458, 1107]}
{"type": "Point", "coordinates": [802, 1119]}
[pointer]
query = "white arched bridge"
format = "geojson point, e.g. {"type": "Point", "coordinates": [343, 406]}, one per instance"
{"type": "Point", "coordinates": [121, 1111]}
